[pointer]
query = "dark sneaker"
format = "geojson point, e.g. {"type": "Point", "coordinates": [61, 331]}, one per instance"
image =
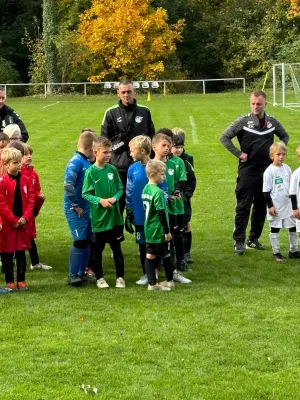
{"type": "Point", "coordinates": [183, 266]}
{"type": "Point", "coordinates": [278, 257]}
{"type": "Point", "coordinates": [296, 254]}
{"type": "Point", "coordinates": [188, 258]}
{"type": "Point", "coordinates": [75, 280]}
{"type": "Point", "coordinates": [239, 248]}
{"type": "Point", "coordinates": [254, 245]}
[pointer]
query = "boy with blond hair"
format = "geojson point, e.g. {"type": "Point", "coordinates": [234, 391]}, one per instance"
{"type": "Point", "coordinates": [16, 207]}
{"type": "Point", "coordinates": [276, 188]}
{"type": "Point", "coordinates": [13, 132]}
{"type": "Point", "coordinates": [157, 230]}
{"type": "Point", "coordinates": [77, 209]}
{"type": "Point", "coordinates": [28, 170]}
{"type": "Point", "coordinates": [102, 188]}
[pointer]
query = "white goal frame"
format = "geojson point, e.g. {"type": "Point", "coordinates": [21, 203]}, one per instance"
{"type": "Point", "coordinates": [281, 74]}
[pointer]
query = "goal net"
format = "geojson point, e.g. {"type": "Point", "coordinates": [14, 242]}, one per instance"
{"type": "Point", "coordinates": [286, 85]}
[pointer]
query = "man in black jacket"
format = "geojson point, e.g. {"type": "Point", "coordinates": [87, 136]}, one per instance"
{"type": "Point", "coordinates": [8, 116]}
{"type": "Point", "coordinates": [120, 124]}
{"type": "Point", "coordinates": [255, 133]}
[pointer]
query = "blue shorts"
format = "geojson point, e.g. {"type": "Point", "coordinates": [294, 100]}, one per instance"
{"type": "Point", "coordinates": [80, 227]}
{"type": "Point", "coordinates": [140, 234]}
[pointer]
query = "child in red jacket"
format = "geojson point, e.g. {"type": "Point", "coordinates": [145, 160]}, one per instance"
{"type": "Point", "coordinates": [16, 207]}
{"type": "Point", "coordinates": [28, 170]}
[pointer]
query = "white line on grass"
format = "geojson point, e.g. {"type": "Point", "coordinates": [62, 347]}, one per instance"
{"type": "Point", "coordinates": [292, 109]}
{"type": "Point", "coordinates": [53, 104]}
{"type": "Point", "coordinates": [194, 130]}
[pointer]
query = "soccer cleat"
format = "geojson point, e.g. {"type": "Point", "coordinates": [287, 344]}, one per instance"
{"type": "Point", "coordinates": [278, 257]}
{"type": "Point", "coordinates": [120, 283]}
{"type": "Point", "coordinates": [295, 254]}
{"type": "Point", "coordinates": [102, 284]}
{"type": "Point", "coordinates": [22, 286]}
{"type": "Point", "coordinates": [143, 280]}
{"type": "Point", "coordinates": [158, 287]}
{"type": "Point", "coordinates": [188, 258]}
{"type": "Point", "coordinates": [168, 284]}
{"type": "Point", "coordinates": [11, 287]}
{"type": "Point", "coordinates": [177, 277]}
{"type": "Point", "coordinates": [75, 280]}
{"type": "Point", "coordinates": [239, 248]}
{"type": "Point", "coordinates": [42, 266]}
{"type": "Point", "coordinates": [254, 245]}
{"type": "Point", "coordinates": [182, 266]}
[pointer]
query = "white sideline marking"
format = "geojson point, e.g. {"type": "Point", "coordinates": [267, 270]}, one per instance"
{"type": "Point", "coordinates": [53, 104]}
{"type": "Point", "coordinates": [194, 130]}
{"type": "Point", "coordinates": [292, 109]}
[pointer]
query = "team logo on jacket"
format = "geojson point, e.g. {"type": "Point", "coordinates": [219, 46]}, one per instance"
{"type": "Point", "coordinates": [269, 124]}
{"type": "Point", "coordinates": [250, 124]}
{"type": "Point", "coordinates": [138, 119]}
{"type": "Point", "coordinates": [171, 171]}
{"type": "Point", "coordinates": [119, 119]}
{"type": "Point", "coordinates": [110, 176]}
{"type": "Point", "coordinates": [25, 189]}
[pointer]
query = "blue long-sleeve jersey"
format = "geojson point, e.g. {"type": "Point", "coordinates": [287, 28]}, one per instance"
{"type": "Point", "coordinates": [74, 176]}
{"type": "Point", "coordinates": [136, 181]}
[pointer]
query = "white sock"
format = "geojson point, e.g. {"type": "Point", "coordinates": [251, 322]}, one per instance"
{"type": "Point", "coordinates": [293, 238]}
{"type": "Point", "coordinates": [274, 238]}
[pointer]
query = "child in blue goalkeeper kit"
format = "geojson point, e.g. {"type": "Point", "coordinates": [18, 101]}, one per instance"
{"type": "Point", "coordinates": [77, 209]}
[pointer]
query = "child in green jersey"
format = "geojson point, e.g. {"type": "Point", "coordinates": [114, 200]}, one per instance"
{"type": "Point", "coordinates": [102, 188]}
{"type": "Point", "coordinates": [156, 227]}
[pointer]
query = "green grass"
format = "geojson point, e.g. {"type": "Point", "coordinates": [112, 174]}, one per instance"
{"type": "Point", "coordinates": [232, 334]}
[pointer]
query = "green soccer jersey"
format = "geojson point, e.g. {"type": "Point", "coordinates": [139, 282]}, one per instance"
{"type": "Point", "coordinates": [153, 201]}
{"type": "Point", "coordinates": [178, 173]}
{"type": "Point", "coordinates": [103, 183]}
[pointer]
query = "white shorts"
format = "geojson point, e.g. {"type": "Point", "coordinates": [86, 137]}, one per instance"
{"type": "Point", "coordinates": [289, 222]}
{"type": "Point", "coordinates": [297, 225]}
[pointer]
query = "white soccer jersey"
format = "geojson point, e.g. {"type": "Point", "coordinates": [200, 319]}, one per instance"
{"type": "Point", "coordinates": [295, 185]}
{"type": "Point", "coordinates": [277, 181]}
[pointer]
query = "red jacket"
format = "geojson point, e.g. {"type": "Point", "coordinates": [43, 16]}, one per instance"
{"type": "Point", "coordinates": [34, 178]}
{"type": "Point", "coordinates": [15, 238]}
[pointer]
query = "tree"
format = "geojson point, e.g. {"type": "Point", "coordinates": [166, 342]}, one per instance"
{"type": "Point", "coordinates": [127, 37]}
{"type": "Point", "coordinates": [49, 39]}
{"type": "Point", "coordinates": [294, 10]}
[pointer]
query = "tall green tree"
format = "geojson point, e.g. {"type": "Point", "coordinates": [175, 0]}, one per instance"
{"type": "Point", "coordinates": [49, 39]}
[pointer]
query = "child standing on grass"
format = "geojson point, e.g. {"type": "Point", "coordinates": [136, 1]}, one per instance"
{"type": "Point", "coordinates": [162, 145]}
{"type": "Point", "coordinates": [295, 193]}
{"type": "Point", "coordinates": [16, 207]}
{"type": "Point", "coordinates": [28, 170]}
{"type": "Point", "coordinates": [279, 207]}
{"type": "Point", "coordinates": [77, 209]}
{"type": "Point", "coordinates": [188, 191]}
{"type": "Point", "coordinates": [157, 231]}
{"type": "Point", "coordinates": [13, 132]}
{"type": "Point", "coordinates": [102, 188]}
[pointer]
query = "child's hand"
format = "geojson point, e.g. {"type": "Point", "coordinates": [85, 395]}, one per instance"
{"type": "Point", "coordinates": [22, 221]}
{"type": "Point", "coordinates": [296, 213]}
{"type": "Point", "coordinates": [168, 237]}
{"type": "Point", "coordinates": [79, 211]}
{"type": "Point", "coordinates": [42, 196]}
{"type": "Point", "coordinates": [112, 200]}
{"type": "Point", "coordinates": [105, 203]}
{"type": "Point", "coordinates": [272, 211]}
{"type": "Point", "coordinates": [177, 194]}
{"type": "Point", "coordinates": [0, 227]}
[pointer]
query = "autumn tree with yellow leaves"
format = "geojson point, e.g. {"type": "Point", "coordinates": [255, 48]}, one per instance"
{"type": "Point", "coordinates": [128, 38]}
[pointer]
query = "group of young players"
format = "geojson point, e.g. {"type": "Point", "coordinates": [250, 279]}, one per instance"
{"type": "Point", "coordinates": [20, 202]}
{"type": "Point", "coordinates": [158, 208]}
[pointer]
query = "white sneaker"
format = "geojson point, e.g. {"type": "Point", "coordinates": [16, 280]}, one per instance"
{"type": "Point", "coordinates": [143, 280]}
{"type": "Point", "coordinates": [168, 284]}
{"type": "Point", "coordinates": [102, 284]}
{"type": "Point", "coordinates": [177, 277]}
{"type": "Point", "coordinates": [41, 266]}
{"type": "Point", "coordinates": [120, 283]}
{"type": "Point", "coordinates": [158, 287]}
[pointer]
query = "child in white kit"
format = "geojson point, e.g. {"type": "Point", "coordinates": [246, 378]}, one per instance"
{"type": "Point", "coordinates": [279, 207]}
{"type": "Point", "coordinates": [295, 193]}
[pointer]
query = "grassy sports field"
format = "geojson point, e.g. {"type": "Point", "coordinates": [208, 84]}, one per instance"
{"type": "Point", "coordinates": [232, 334]}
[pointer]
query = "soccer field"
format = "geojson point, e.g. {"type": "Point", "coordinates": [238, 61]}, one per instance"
{"type": "Point", "coordinates": [232, 334]}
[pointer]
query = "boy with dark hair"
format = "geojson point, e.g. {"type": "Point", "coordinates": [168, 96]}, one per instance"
{"type": "Point", "coordinates": [77, 209]}
{"type": "Point", "coordinates": [102, 188]}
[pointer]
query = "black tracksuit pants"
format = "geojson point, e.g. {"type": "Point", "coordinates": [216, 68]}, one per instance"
{"type": "Point", "coordinates": [249, 194]}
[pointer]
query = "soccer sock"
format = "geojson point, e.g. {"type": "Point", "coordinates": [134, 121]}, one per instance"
{"type": "Point", "coordinates": [178, 243]}
{"type": "Point", "coordinates": [274, 238]}
{"type": "Point", "coordinates": [77, 260]}
{"type": "Point", "coordinates": [21, 265]}
{"type": "Point", "coordinates": [118, 259]}
{"type": "Point", "coordinates": [150, 266]}
{"type": "Point", "coordinates": [85, 256]}
{"type": "Point", "coordinates": [168, 268]}
{"type": "Point", "coordinates": [187, 241]}
{"type": "Point", "coordinates": [33, 252]}
{"type": "Point", "coordinates": [142, 248]}
{"type": "Point", "coordinates": [8, 266]}
{"type": "Point", "coordinates": [293, 238]}
{"type": "Point", "coordinates": [172, 253]}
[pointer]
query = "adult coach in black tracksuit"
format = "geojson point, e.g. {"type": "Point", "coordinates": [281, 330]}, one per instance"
{"type": "Point", "coordinates": [8, 116]}
{"type": "Point", "coordinates": [122, 123]}
{"type": "Point", "coordinates": [255, 133]}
